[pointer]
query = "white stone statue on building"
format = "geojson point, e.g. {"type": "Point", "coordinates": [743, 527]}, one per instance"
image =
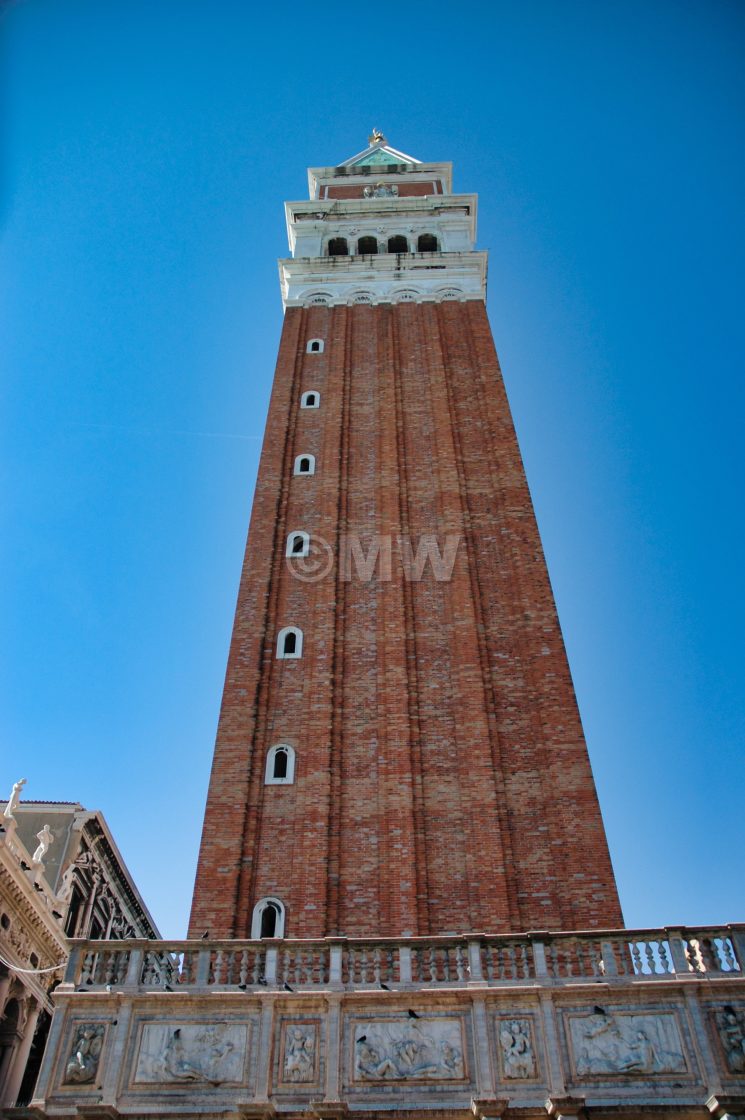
{"type": "Point", "coordinates": [45, 838]}
{"type": "Point", "coordinates": [15, 797]}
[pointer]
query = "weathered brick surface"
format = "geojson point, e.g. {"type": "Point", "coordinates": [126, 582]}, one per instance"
{"type": "Point", "coordinates": [442, 781]}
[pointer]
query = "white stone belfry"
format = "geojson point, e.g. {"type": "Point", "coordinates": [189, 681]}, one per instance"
{"type": "Point", "coordinates": [382, 227]}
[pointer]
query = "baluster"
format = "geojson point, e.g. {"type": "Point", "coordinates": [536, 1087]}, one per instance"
{"type": "Point", "coordinates": [308, 967]}
{"type": "Point", "coordinates": [86, 973]}
{"type": "Point", "coordinates": [460, 963]}
{"type": "Point", "coordinates": [594, 957]}
{"type": "Point", "coordinates": [217, 967]}
{"type": "Point", "coordinates": [636, 958]}
{"type": "Point", "coordinates": [376, 966]}
{"type": "Point", "coordinates": [499, 953]}
{"type": "Point", "coordinates": [649, 953]}
{"type": "Point", "coordinates": [728, 955]}
{"type": "Point", "coordinates": [554, 955]}
{"type": "Point", "coordinates": [665, 964]}
{"type": "Point", "coordinates": [432, 964]}
{"type": "Point", "coordinates": [511, 958]}
{"type": "Point", "coordinates": [525, 955]}
{"type": "Point", "coordinates": [709, 951]}
{"type": "Point", "coordinates": [123, 969]}
{"type": "Point", "coordinates": [148, 969]}
{"type": "Point", "coordinates": [363, 966]}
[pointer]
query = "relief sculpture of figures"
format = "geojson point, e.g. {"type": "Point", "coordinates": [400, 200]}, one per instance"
{"type": "Point", "coordinates": [381, 190]}
{"type": "Point", "coordinates": [429, 1049]}
{"type": "Point", "coordinates": [208, 1054]}
{"type": "Point", "coordinates": [517, 1053]}
{"type": "Point", "coordinates": [299, 1058]}
{"type": "Point", "coordinates": [731, 1027]}
{"type": "Point", "coordinates": [15, 797]}
{"type": "Point", "coordinates": [82, 1064]}
{"type": "Point", "coordinates": [632, 1044]}
{"type": "Point", "coordinates": [45, 838]}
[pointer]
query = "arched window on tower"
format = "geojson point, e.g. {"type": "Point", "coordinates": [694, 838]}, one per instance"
{"type": "Point", "coordinates": [426, 243]}
{"type": "Point", "coordinates": [310, 400]}
{"type": "Point", "coordinates": [367, 246]}
{"type": "Point", "coordinates": [398, 244]}
{"type": "Point", "coordinates": [290, 643]}
{"type": "Point", "coordinates": [315, 346]}
{"type": "Point", "coordinates": [280, 766]}
{"type": "Point", "coordinates": [305, 464]}
{"type": "Point", "coordinates": [268, 919]}
{"type": "Point", "coordinates": [298, 543]}
{"type": "Point", "coordinates": [338, 247]}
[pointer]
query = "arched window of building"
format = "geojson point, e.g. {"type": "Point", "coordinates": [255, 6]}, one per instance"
{"type": "Point", "coordinates": [315, 346]}
{"type": "Point", "coordinates": [9, 1033]}
{"type": "Point", "coordinates": [73, 912]}
{"type": "Point", "coordinates": [310, 400]}
{"type": "Point", "coordinates": [298, 543]}
{"type": "Point", "coordinates": [367, 245]}
{"type": "Point", "coordinates": [338, 247]}
{"type": "Point", "coordinates": [268, 919]}
{"type": "Point", "coordinates": [290, 643]}
{"type": "Point", "coordinates": [305, 464]}
{"type": "Point", "coordinates": [280, 766]}
{"type": "Point", "coordinates": [398, 244]}
{"type": "Point", "coordinates": [426, 243]}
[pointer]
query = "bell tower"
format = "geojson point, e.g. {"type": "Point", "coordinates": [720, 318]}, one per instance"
{"type": "Point", "coordinates": [399, 750]}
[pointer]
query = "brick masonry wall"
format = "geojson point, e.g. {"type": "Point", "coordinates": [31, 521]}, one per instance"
{"type": "Point", "coordinates": [442, 781]}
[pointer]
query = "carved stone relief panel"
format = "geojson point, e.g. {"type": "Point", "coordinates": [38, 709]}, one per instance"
{"type": "Point", "coordinates": [517, 1057]}
{"type": "Point", "coordinates": [730, 1027]}
{"type": "Point", "coordinates": [192, 1053]}
{"type": "Point", "coordinates": [625, 1043]}
{"type": "Point", "coordinates": [424, 1049]}
{"type": "Point", "coordinates": [298, 1063]}
{"type": "Point", "coordinates": [81, 1064]}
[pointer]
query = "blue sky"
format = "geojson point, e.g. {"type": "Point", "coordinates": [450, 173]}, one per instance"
{"type": "Point", "coordinates": [148, 151]}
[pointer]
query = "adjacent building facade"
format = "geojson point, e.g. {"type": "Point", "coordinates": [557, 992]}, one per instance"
{"type": "Point", "coordinates": [404, 902]}
{"type": "Point", "coordinates": [61, 877]}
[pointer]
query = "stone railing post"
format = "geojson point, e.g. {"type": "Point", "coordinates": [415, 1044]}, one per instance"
{"type": "Point", "coordinates": [608, 957]}
{"type": "Point", "coordinates": [677, 952]}
{"type": "Point", "coordinates": [202, 977]}
{"type": "Point", "coordinates": [134, 969]}
{"type": "Point", "coordinates": [404, 964]}
{"type": "Point", "coordinates": [539, 956]}
{"type": "Point", "coordinates": [270, 968]}
{"type": "Point", "coordinates": [335, 963]}
{"type": "Point", "coordinates": [72, 968]}
{"type": "Point", "coordinates": [474, 960]}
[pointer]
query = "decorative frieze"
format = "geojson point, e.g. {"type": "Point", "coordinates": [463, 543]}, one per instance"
{"type": "Point", "coordinates": [621, 1043]}
{"type": "Point", "coordinates": [211, 1053]}
{"type": "Point", "coordinates": [419, 1049]}
{"type": "Point", "coordinates": [83, 1059]}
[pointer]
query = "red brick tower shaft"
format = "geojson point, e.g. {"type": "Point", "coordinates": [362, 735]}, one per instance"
{"type": "Point", "coordinates": [420, 767]}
